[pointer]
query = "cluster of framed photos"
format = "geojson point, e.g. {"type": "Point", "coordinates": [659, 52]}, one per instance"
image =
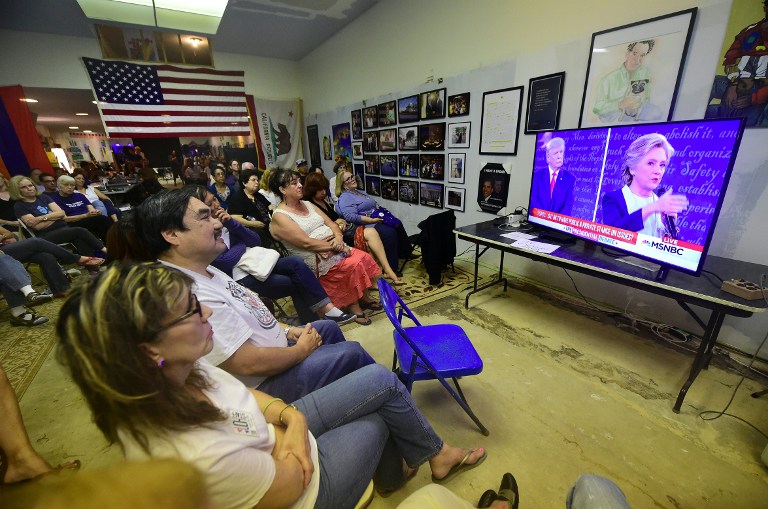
{"type": "Point", "coordinates": [387, 153]}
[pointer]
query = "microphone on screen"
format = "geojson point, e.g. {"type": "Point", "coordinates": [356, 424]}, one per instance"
{"type": "Point", "coordinates": [668, 221]}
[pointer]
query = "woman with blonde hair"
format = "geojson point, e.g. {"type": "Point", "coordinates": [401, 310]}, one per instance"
{"type": "Point", "coordinates": [150, 389]}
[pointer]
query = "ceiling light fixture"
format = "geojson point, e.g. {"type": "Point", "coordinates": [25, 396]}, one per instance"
{"type": "Point", "coordinates": [81, 114]}
{"type": "Point", "coordinates": [87, 131]}
{"type": "Point", "coordinates": [29, 100]}
{"type": "Point", "coordinates": [73, 127]}
{"type": "Point", "coordinates": [195, 41]}
{"type": "Point", "coordinates": [201, 16]}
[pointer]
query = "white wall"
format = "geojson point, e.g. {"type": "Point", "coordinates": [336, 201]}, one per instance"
{"type": "Point", "coordinates": [392, 49]}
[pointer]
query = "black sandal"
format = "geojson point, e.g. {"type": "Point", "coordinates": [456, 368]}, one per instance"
{"type": "Point", "coordinates": [28, 319]}
{"type": "Point", "coordinates": [372, 305]}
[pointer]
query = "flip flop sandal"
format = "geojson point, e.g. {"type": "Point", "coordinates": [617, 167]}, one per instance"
{"type": "Point", "coordinates": [366, 320]}
{"type": "Point", "coordinates": [462, 466]}
{"type": "Point", "coordinates": [373, 306]}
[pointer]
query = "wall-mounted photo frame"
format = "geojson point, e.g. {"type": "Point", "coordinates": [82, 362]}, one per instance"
{"type": "Point", "coordinates": [357, 150]}
{"type": "Point", "coordinates": [408, 138]}
{"type": "Point", "coordinates": [314, 144]}
{"type": "Point", "coordinates": [432, 136]}
{"type": "Point", "coordinates": [357, 124]}
{"type": "Point", "coordinates": [373, 186]}
{"type": "Point", "coordinates": [432, 166]}
{"type": "Point", "coordinates": [456, 168]}
{"type": "Point", "coordinates": [634, 71]}
{"type": "Point", "coordinates": [359, 171]}
{"type": "Point", "coordinates": [388, 165]}
{"type": "Point", "coordinates": [408, 165]}
{"type": "Point", "coordinates": [371, 141]}
{"type": "Point", "coordinates": [458, 135]}
{"type": "Point", "coordinates": [389, 189]}
{"type": "Point", "coordinates": [409, 191]}
{"type": "Point", "coordinates": [327, 148]}
{"type": "Point", "coordinates": [458, 105]}
{"type": "Point", "coordinates": [371, 164]}
{"type": "Point", "coordinates": [500, 121]}
{"type": "Point", "coordinates": [387, 113]}
{"type": "Point", "coordinates": [431, 195]}
{"type": "Point", "coordinates": [370, 117]}
{"type": "Point", "coordinates": [342, 142]}
{"type": "Point", "coordinates": [545, 98]}
{"type": "Point", "coordinates": [408, 109]}
{"type": "Point", "coordinates": [432, 104]}
{"type": "Point", "coordinates": [388, 140]}
{"type": "Point", "coordinates": [454, 198]}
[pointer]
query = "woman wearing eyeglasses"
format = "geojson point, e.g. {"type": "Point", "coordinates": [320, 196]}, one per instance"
{"type": "Point", "coordinates": [150, 390]}
{"type": "Point", "coordinates": [346, 273]}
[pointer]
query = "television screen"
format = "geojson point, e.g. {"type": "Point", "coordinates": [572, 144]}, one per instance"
{"type": "Point", "coordinates": [652, 190]}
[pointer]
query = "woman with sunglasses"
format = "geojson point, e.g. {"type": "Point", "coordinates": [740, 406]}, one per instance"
{"type": "Point", "coordinates": [150, 390]}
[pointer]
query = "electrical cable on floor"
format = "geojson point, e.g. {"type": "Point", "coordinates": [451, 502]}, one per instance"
{"type": "Point", "coordinates": [741, 380]}
{"type": "Point", "coordinates": [582, 295]}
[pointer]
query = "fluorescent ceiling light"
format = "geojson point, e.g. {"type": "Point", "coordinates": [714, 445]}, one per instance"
{"type": "Point", "coordinates": [87, 131]}
{"type": "Point", "coordinates": [202, 16]}
{"type": "Point", "coordinates": [73, 127]}
{"type": "Point", "coordinates": [29, 100]}
{"type": "Point", "coordinates": [81, 114]}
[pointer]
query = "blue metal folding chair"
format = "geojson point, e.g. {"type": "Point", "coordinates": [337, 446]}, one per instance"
{"type": "Point", "coordinates": [430, 352]}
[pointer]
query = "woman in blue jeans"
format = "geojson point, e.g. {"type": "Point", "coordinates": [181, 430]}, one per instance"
{"type": "Point", "coordinates": [150, 391]}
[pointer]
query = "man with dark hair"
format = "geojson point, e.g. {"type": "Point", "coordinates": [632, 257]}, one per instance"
{"type": "Point", "coordinates": [49, 185]}
{"type": "Point", "coordinates": [284, 361]}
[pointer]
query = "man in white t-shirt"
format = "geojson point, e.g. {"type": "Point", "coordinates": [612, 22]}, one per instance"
{"type": "Point", "coordinates": [284, 361]}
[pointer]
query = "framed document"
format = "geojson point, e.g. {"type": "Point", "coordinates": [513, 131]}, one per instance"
{"type": "Point", "coordinates": [501, 121]}
{"type": "Point", "coordinates": [545, 97]}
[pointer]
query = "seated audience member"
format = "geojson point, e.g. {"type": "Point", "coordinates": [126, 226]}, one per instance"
{"type": "Point", "coordinates": [302, 168]}
{"type": "Point", "coordinates": [233, 175]}
{"type": "Point", "coordinates": [321, 451]}
{"type": "Point", "coordinates": [273, 199]}
{"type": "Point", "coordinates": [250, 208]}
{"type": "Point", "coordinates": [48, 256]}
{"type": "Point", "coordinates": [289, 277]}
{"type": "Point", "coordinates": [78, 209]}
{"type": "Point", "coordinates": [124, 243]}
{"type": "Point", "coordinates": [196, 174]}
{"type": "Point", "coordinates": [180, 231]}
{"type": "Point", "coordinates": [34, 174]}
{"type": "Point", "coordinates": [354, 206]}
{"type": "Point", "coordinates": [149, 180]}
{"type": "Point", "coordinates": [220, 189]}
{"type": "Point", "coordinates": [20, 460]}
{"type": "Point", "coordinates": [16, 287]}
{"type": "Point", "coordinates": [7, 217]}
{"type": "Point", "coordinates": [346, 273]}
{"type": "Point", "coordinates": [337, 168]}
{"type": "Point", "coordinates": [46, 219]}
{"type": "Point", "coordinates": [98, 199]}
{"type": "Point", "coordinates": [367, 239]}
{"type": "Point", "coordinates": [49, 185]}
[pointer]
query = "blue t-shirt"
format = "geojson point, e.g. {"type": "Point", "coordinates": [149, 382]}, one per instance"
{"type": "Point", "coordinates": [72, 205]}
{"type": "Point", "coordinates": [38, 208]}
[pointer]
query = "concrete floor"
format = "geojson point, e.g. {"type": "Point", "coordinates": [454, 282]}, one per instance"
{"type": "Point", "coordinates": [562, 393]}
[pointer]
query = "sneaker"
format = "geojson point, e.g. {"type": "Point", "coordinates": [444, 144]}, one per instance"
{"type": "Point", "coordinates": [35, 299]}
{"type": "Point", "coordinates": [342, 318]}
{"type": "Point", "coordinates": [28, 319]}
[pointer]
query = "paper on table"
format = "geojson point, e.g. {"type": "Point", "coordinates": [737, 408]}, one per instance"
{"type": "Point", "coordinates": [518, 236]}
{"type": "Point", "coordinates": [539, 247]}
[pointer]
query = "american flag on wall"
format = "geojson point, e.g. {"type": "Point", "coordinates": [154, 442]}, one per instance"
{"type": "Point", "coordinates": [166, 101]}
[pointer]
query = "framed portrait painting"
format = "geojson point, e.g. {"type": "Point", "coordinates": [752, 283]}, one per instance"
{"type": "Point", "coordinates": [454, 198]}
{"type": "Point", "coordinates": [357, 125]}
{"type": "Point", "coordinates": [370, 117]}
{"type": "Point", "coordinates": [500, 121]}
{"type": "Point", "coordinates": [387, 113]}
{"type": "Point", "coordinates": [458, 105]}
{"type": "Point", "coordinates": [432, 104]}
{"type": "Point", "coordinates": [634, 71]}
{"type": "Point", "coordinates": [456, 163]}
{"type": "Point", "coordinates": [458, 135]}
{"type": "Point", "coordinates": [408, 109]}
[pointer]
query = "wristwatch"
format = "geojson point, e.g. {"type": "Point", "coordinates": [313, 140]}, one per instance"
{"type": "Point", "coordinates": [45, 218]}
{"type": "Point", "coordinates": [286, 330]}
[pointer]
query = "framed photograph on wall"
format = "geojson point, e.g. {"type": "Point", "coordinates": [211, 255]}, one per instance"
{"type": "Point", "coordinates": [357, 150]}
{"type": "Point", "coordinates": [633, 73]}
{"type": "Point", "coordinates": [387, 113]}
{"type": "Point", "coordinates": [431, 195]}
{"type": "Point", "coordinates": [359, 171]}
{"type": "Point", "coordinates": [432, 104]}
{"type": "Point", "coordinates": [389, 189]}
{"type": "Point", "coordinates": [342, 143]}
{"type": "Point", "coordinates": [357, 124]}
{"type": "Point", "coordinates": [371, 141]}
{"type": "Point", "coordinates": [458, 135]}
{"type": "Point", "coordinates": [371, 164]}
{"type": "Point", "coordinates": [500, 121]}
{"type": "Point", "coordinates": [408, 109]}
{"type": "Point", "coordinates": [314, 144]}
{"type": "Point", "coordinates": [432, 136]}
{"type": "Point", "coordinates": [458, 105]}
{"type": "Point", "coordinates": [373, 186]}
{"type": "Point", "coordinates": [454, 198]}
{"type": "Point", "coordinates": [408, 165]}
{"type": "Point", "coordinates": [370, 117]}
{"type": "Point", "coordinates": [327, 148]}
{"type": "Point", "coordinates": [432, 166]}
{"type": "Point", "coordinates": [456, 163]}
{"type": "Point", "coordinates": [408, 138]}
{"type": "Point", "coordinates": [545, 97]}
{"type": "Point", "coordinates": [409, 191]}
{"type": "Point", "coordinates": [388, 165]}
{"type": "Point", "coordinates": [388, 140]}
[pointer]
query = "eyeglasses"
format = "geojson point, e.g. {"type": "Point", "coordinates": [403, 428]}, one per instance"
{"type": "Point", "coordinates": [349, 179]}
{"type": "Point", "coordinates": [196, 309]}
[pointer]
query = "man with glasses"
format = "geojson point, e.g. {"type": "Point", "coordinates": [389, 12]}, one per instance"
{"type": "Point", "coordinates": [284, 361]}
{"type": "Point", "coordinates": [49, 185]}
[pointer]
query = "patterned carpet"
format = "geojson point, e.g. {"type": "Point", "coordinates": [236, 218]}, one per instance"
{"type": "Point", "coordinates": [23, 350]}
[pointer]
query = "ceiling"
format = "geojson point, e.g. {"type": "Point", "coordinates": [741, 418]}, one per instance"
{"type": "Point", "coordinates": [282, 29]}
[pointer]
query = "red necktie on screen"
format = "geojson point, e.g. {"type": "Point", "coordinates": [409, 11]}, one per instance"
{"type": "Point", "coordinates": [552, 183]}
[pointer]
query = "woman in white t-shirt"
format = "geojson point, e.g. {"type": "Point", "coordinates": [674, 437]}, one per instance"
{"type": "Point", "coordinates": [150, 391]}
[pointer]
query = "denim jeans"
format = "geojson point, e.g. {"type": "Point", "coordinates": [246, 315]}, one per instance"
{"type": "Point", "coordinates": [47, 255]}
{"type": "Point", "coordinates": [594, 492]}
{"type": "Point", "coordinates": [13, 277]}
{"type": "Point", "coordinates": [334, 359]}
{"type": "Point", "coordinates": [352, 419]}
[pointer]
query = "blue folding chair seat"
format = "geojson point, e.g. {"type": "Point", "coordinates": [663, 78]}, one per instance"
{"type": "Point", "coordinates": [430, 352]}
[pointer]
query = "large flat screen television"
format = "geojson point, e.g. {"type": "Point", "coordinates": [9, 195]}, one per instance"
{"type": "Point", "coordinates": [627, 188]}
